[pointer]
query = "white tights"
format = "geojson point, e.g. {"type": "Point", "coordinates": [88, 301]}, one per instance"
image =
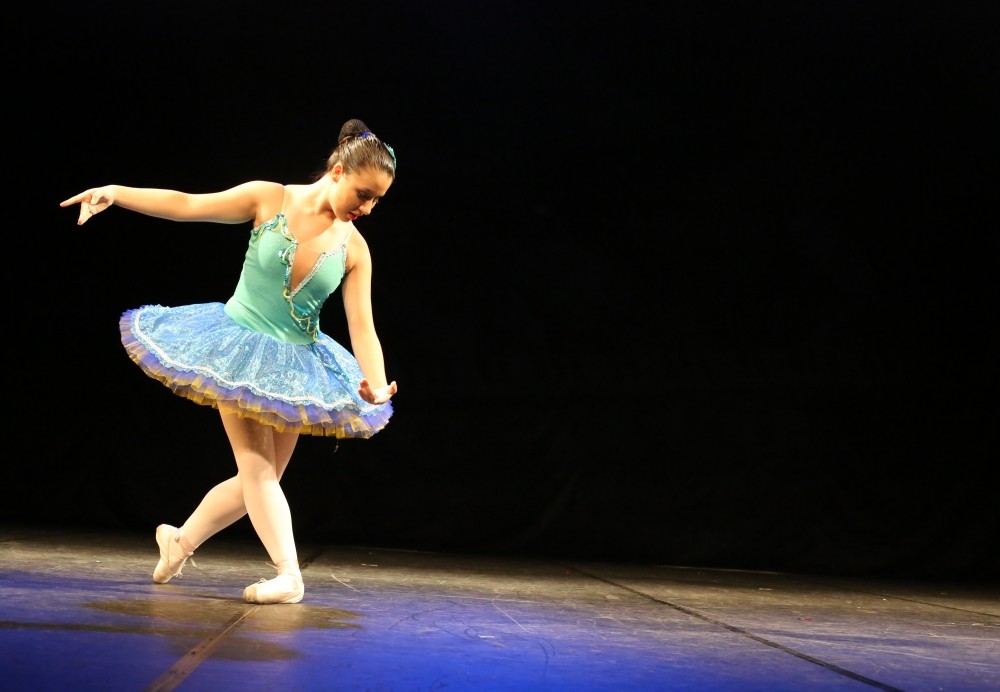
{"type": "Point", "coordinates": [262, 454]}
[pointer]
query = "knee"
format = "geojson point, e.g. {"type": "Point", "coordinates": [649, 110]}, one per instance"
{"type": "Point", "coordinates": [256, 468]}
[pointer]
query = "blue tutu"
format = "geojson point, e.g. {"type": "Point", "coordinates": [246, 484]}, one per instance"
{"type": "Point", "coordinates": [201, 353]}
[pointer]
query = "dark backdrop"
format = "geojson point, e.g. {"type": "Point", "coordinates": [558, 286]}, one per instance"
{"type": "Point", "coordinates": [702, 284]}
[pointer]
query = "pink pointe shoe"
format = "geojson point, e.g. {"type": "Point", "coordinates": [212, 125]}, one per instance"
{"type": "Point", "coordinates": [284, 588]}
{"type": "Point", "coordinates": [174, 552]}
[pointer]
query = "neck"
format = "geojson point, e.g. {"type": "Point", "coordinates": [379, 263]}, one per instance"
{"type": "Point", "coordinates": [313, 199]}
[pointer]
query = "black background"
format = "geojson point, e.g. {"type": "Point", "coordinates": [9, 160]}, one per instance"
{"type": "Point", "coordinates": [692, 283]}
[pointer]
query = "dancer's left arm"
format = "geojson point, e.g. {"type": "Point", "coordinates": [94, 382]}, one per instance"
{"type": "Point", "coordinates": [365, 344]}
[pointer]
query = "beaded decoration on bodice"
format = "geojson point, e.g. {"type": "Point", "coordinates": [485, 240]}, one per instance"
{"type": "Point", "coordinates": [254, 302]}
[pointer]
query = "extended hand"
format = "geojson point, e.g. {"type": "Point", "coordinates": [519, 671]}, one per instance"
{"type": "Point", "coordinates": [92, 201]}
{"type": "Point", "coordinates": [376, 396]}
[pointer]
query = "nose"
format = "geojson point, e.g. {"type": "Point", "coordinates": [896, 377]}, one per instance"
{"type": "Point", "coordinates": [367, 207]}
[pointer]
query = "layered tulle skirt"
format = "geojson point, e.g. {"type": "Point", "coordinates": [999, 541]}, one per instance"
{"type": "Point", "coordinates": [201, 353]}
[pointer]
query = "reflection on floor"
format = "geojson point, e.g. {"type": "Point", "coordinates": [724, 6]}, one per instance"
{"type": "Point", "coordinates": [80, 612]}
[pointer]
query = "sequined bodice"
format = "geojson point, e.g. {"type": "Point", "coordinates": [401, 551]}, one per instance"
{"type": "Point", "coordinates": [265, 299]}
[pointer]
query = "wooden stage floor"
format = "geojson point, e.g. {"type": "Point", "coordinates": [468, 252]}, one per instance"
{"type": "Point", "coordinates": [79, 611]}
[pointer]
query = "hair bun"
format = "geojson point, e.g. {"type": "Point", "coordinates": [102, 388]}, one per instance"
{"type": "Point", "coordinates": [352, 128]}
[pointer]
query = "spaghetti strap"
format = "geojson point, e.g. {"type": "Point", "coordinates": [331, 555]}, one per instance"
{"type": "Point", "coordinates": [343, 246]}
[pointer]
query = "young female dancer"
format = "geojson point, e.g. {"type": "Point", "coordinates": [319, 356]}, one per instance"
{"type": "Point", "coordinates": [260, 358]}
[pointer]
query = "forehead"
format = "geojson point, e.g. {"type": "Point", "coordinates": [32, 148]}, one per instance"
{"type": "Point", "coordinates": [372, 179]}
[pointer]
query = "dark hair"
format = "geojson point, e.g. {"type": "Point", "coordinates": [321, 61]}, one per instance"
{"type": "Point", "coordinates": [358, 148]}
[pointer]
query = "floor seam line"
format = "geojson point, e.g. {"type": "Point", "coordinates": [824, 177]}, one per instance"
{"type": "Point", "coordinates": [744, 633]}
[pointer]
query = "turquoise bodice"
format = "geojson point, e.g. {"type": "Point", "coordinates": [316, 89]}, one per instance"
{"type": "Point", "coordinates": [266, 301]}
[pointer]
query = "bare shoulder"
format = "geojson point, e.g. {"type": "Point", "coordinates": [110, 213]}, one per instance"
{"type": "Point", "coordinates": [268, 198]}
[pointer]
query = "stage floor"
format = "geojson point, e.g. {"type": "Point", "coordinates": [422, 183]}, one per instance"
{"type": "Point", "coordinates": [79, 611]}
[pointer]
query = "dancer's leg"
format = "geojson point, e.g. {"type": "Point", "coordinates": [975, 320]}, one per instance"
{"type": "Point", "coordinates": [255, 448]}
{"type": "Point", "coordinates": [223, 505]}
{"type": "Point", "coordinates": [267, 456]}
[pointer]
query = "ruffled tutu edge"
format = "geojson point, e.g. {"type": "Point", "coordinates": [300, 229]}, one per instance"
{"type": "Point", "coordinates": [283, 416]}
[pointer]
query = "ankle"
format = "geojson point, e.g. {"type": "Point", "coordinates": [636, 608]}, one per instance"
{"type": "Point", "coordinates": [288, 567]}
{"type": "Point", "coordinates": [184, 543]}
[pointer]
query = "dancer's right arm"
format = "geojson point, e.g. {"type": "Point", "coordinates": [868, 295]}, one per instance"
{"type": "Point", "coordinates": [235, 205]}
